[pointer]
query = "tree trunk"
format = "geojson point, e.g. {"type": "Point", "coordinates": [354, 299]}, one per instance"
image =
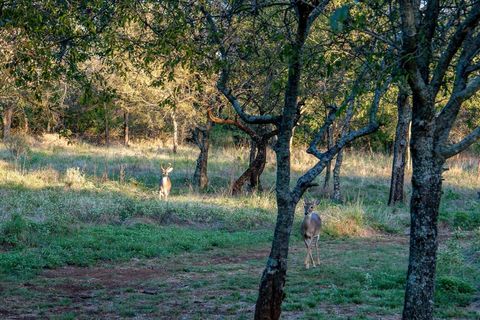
{"type": "Point", "coordinates": [126, 136]}
{"type": "Point", "coordinates": [424, 208]}
{"type": "Point", "coordinates": [400, 147]}
{"type": "Point", "coordinates": [337, 195]}
{"type": "Point", "coordinates": [409, 158]}
{"type": "Point", "coordinates": [254, 170]}
{"type": "Point", "coordinates": [107, 127]}
{"type": "Point", "coordinates": [201, 136]}
{"type": "Point", "coordinates": [26, 126]}
{"type": "Point", "coordinates": [329, 164]}
{"type": "Point", "coordinates": [258, 167]}
{"type": "Point", "coordinates": [7, 121]}
{"type": "Point", "coordinates": [271, 291]}
{"type": "Point", "coordinates": [175, 131]}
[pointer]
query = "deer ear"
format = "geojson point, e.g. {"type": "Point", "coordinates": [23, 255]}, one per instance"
{"type": "Point", "coordinates": [170, 169]}
{"type": "Point", "coordinates": [317, 202]}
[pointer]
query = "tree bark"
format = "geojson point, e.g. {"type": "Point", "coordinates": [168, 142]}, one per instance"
{"type": "Point", "coordinates": [271, 291]}
{"type": "Point", "coordinates": [258, 167]}
{"type": "Point", "coordinates": [201, 136]}
{"type": "Point", "coordinates": [254, 170]}
{"type": "Point", "coordinates": [329, 164]}
{"type": "Point", "coordinates": [7, 121]}
{"type": "Point", "coordinates": [336, 194]}
{"type": "Point", "coordinates": [175, 131]}
{"type": "Point", "coordinates": [107, 127]}
{"type": "Point", "coordinates": [400, 147]}
{"type": "Point", "coordinates": [424, 209]}
{"type": "Point", "coordinates": [126, 128]}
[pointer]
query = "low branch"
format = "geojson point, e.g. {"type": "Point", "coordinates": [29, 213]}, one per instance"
{"type": "Point", "coordinates": [305, 180]}
{"type": "Point", "coordinates": [235, 123]}
{"type": "Point", "coordinates": [446, 117]}
{"type": "Point", "coordinates": [224, 75]}
{"type": "Point", "coordinates": [452, 149]}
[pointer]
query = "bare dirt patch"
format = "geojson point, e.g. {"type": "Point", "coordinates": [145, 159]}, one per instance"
{"type": "Point", "coordinates": [218, 284]}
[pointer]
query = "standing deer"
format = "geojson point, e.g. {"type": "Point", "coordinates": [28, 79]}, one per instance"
{"type": "Point", "coordinates": [311, 231]}
{"type": "Point", "coordinates": [165, 183]}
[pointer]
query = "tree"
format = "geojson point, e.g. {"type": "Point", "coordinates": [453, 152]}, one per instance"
{"type": "Point", "coordinates": [258, 156]}
{"type": "Point", "coordinates": [441, 43]}
{"type": "Point", "coordinates": [400, 146]}
{"type": "Point", "coordinates": [301, 16]}
{"type": "Point", "coordinates": [201, 137]}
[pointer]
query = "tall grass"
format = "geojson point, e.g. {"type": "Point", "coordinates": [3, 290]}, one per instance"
{"type": "Point", "coordinates": [92, 184]}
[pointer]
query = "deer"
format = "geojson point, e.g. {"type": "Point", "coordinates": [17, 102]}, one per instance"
{"type": "Point", "coordinates": [165, 183]}
{"type": "Point", "coordinates": [310, 230]}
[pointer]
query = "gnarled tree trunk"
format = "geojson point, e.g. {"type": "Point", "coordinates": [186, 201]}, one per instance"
{"type": "Point", "coordinates": [201, 136]}
{"type": "Point", "coordinates": [7, 121]}
{"type": "Point", "coordinates": [254, 170]}
{"type": "Point", "coordinates": [400, 148]}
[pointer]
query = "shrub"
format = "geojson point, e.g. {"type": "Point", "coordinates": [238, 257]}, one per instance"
{"type": "Point", "coordinates": [15, 231]}
{"type": "Point", "coordinates": [454, 284]}
{"type": "Point", "coordinates": [74, 177]}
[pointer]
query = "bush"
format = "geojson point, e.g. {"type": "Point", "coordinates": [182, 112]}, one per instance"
{"type": "Point", "coordinates": [15, 231]}
{"type": "Point", "coordinates": [454, 284]}
{"type": "Point", "coordinates": [74, 177]}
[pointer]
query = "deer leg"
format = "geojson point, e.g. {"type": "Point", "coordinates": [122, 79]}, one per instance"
{"type": "Point", "coordinates": [309, 252]}
{"type": "Point", "coordinates": [307, 257]}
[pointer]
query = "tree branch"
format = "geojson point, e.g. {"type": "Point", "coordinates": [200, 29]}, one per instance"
{"type": "Point", "coordinates": [305, 181]}
{"type": "Point", "coordinates": [454, 45]}
{"type": "Point", "coordinates": [237, 124]}
{"type": "Point", "coordinates": [224, 75]}
{"type": "Point", "coordinates": [315, 13]}
{"type": "Point", "coordinates": [452, 149]}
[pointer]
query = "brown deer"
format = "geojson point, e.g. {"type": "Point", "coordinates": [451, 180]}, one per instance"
{"type": "Point", "coordinates": [311, 231]}
{"type": "Point", "coordinates": [165, 183]}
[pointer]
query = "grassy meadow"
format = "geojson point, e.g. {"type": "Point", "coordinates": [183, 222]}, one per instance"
{"type": "Point", "coordinates": [84, 235]}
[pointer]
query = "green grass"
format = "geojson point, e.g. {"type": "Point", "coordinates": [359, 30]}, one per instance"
{"type": "Point", "coordinates": [77, 241]}
{"type": "Point", "coordinates": [36, 249]}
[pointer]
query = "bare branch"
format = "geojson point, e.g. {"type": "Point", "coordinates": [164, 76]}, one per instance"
{"type": "Point", "coordinates": [315, 13]}
{"type": "Point", "coordinates": [224, 75]}
{"type": "Point", "coordinates": [382, 39]}
{"type": "Point", "coordinates": [313, 149]}
{"type": "Point", "coordinates": [237, 124]}
{"type": "Point", "coordinates": [452, 149]}
{"type": "Point", "coordinates": [472, 20]}
{"type": "Point", "coordinates": [305, 181]}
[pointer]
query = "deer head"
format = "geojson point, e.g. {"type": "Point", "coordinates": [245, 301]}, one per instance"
{"type": "Point", "coordinates": [167, 170]}
{"type": "Point", "coordinates": [309, 205]}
